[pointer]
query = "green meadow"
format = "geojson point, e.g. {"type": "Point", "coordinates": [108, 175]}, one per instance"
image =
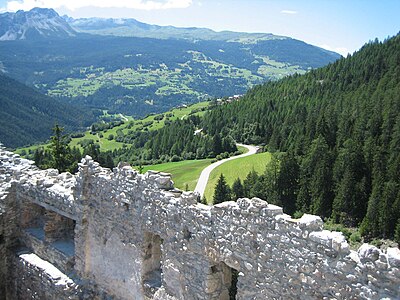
{"type": "Point", "coordinates": [184, 173]}
{"type": "Point", "coordinates": [236, 168]}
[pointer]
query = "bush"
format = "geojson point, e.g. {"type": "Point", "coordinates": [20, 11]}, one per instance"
{"type": "Point", "coordinates": [298, 214]}
{"type": "Point", "coordinates": [110, 137]}
{"type": "Point", "coordinates": [225, 155]}
{"type": "Point", "coordinates": [355, 237]}
{"type": "Point", "coordinates": [159, 117]}
{"type": "Point", "coordinates": [376, 242]}
{"type": "Point", "coordinates": [175, 158]}
{"type": "Point", "coordinates": [77, 135]}
{"type": "Point", "coordinates": [189, 156]}
{"type": "Point", "coordinates": [347, 232]}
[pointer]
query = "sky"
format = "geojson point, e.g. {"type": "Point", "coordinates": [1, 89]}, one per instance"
{"type": "Point", "coordinates": [338, 25]}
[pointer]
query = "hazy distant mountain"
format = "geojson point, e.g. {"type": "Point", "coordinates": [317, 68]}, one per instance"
{"type": "Point", "coordinates": [27, 116]}
{"type": "Point", "coordinates": [158, 68]}
{"type": "Point", "coordinates": [134, 28]}
{"type": "Point", "coordinates": [36, 23]}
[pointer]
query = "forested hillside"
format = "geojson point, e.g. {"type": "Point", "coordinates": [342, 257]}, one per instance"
{"type": "Point", "coordinates": [26, 116]}
{"type": "Point", "coordinates": [173, 142]}
{"type": "Point", "coordinates": [340, 129]}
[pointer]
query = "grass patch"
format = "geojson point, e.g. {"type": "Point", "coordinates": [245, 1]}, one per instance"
{"type": "Point", "coordinates": [236, 168]}
{"type": "Point", "coordinates": [184, 173]}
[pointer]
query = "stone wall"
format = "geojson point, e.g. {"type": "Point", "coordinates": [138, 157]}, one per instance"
{"type": "Point", "coordinates": [136, 237]}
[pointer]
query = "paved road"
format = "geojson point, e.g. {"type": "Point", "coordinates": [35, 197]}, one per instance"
{"type": "Point", "coordinates": [205, 174]}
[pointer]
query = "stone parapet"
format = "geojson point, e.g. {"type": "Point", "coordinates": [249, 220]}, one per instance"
{"type": "Point", "coordinates": [136, 237]}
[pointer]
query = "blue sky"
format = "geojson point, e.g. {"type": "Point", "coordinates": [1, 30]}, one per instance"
{"type": "Point", "coordinates": [339, 25]}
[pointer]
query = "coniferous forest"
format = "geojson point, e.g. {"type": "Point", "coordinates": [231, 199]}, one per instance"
{"type": "Point", "coordinates": [339, 129]}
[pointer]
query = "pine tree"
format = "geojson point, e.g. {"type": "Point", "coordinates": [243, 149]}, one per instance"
{"type": "Point", "coordinates": [237, 189]}
{"type": "Point", "coordinates": [59, 149]}
{"type": "Point", "coordinates": [315, 194]}
{"type": "Point", "coordinates": [267, 185]}
{"type": "Point", "coordinates": [222, 191]}
{"type": "Point", "coordinates": [217, 144]}
{"type": "Point", "coordinates": [349, 205]}
{"type": "Point", "coordinates": [249, 182]}
{"type": "Point", "coordinates": [288, 182]}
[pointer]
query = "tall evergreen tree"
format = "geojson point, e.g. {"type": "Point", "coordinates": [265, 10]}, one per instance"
{"type": "Point", "coordinates": [222, 191]}
{"type": "Point", "coordinates": [249, 183]}
{"type": "Point", "coordinates": [60, 150]}
{"type": "Point", "coordinates": [351, 187]}
{"type": "Point", "coordinates": [288, 182]}
{"type": "Point", "coordinates": [267, 185]}
{"type": "Point", "coordinates": [237, 189]}
{"type": "Point", "coordinates": [315, 193]}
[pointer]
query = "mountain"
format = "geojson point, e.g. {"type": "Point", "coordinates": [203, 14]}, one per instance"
{"type": "Point", "coordinates": [141, 75]}
{"type": "Point", "coordinates": [135, 28]}
{"type": "Point", "coordinates": [27, 116]}
{"type": "Point", "coordinates": [33, 24]}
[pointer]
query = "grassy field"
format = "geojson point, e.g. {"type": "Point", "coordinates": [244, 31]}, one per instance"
{"type": "Point", "coordinates": [237, 168]}
{"type": "Point", "coordinates": [184, 173]}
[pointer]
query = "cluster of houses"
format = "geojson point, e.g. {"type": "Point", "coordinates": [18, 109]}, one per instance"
{"type": "Point", "coordinates": [229, 99]}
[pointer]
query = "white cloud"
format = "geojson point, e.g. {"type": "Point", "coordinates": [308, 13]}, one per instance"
{"type": "Point", "coordinates": [289, 12]}
{"type": "Point", "coordinates": [15, 5]}
{"type": "Point", "coordinates": [341, 50]}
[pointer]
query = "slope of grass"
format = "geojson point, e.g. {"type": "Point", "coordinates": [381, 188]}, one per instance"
{"type": "Point", "coordinates": [140, 125]}
{"type": "Point", "coordinates": [236, 168]}
{"type": "Point", "coordinates": [131, 125]}
{"type": "Point", "coordinates": [184, 173]}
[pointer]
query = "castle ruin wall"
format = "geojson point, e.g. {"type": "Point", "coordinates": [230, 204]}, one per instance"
{"type": "Point", "coordinates": [118, 234]}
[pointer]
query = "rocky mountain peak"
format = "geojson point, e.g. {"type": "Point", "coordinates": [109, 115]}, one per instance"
{"type": "Point", "coordinates": [33, 24]}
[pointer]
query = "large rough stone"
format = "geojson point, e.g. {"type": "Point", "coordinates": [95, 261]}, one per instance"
{"type": "Point", "coordinates": [368, 253]}
{"type": "Point", "coordinates": [310, 222]}
{"type": "Point", "coordinates": [393, 257]}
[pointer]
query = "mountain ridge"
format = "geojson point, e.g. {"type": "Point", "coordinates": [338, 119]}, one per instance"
{"type": "Point", "coordinates": [36, 23]}
{"type": "Point", "coordinates": [130, 27]}
{"type": "Point", "coordinates": [27, 116]}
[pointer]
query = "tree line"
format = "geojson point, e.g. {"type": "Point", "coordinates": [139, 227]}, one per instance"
{"type": "Point", "coordinates": [176, 141]}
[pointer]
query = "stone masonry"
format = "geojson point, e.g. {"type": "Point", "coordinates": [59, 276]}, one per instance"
{"type": "Point", "coordinates": [118, 234]}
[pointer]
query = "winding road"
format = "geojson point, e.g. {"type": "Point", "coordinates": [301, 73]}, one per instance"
{"type": "Point", "coordinates": [205, 174]}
